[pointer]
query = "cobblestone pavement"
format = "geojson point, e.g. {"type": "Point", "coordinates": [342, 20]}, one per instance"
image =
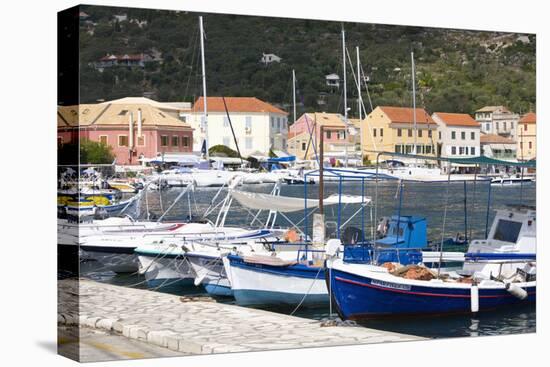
{"type": "Point", "coordinates": [199, 327]}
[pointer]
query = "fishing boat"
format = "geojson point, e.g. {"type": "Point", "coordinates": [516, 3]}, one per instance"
{"type": "Point", "coordinates": [511, 180]}
{"type": "Point", "coordinates": [498, 271]}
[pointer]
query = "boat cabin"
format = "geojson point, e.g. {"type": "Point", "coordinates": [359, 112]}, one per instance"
{"type": "Point", "coordinates": [405, 232]}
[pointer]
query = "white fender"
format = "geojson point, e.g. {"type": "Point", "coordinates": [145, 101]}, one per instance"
{"type": "Point", "coordinates": [516, 291]}
{"type": "Point", "coordinates": [474, 298]}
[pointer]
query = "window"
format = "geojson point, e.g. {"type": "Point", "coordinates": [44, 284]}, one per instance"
{"type": "Point", "coordinates": [226, 141]}
{"type": "Point", "coordinates": [497, 126]}
{"type": "Point", "coordinates": [183, 118]}
{"type": "Point", "coordinates": [398, 148]}
{"type": "Point", "coordinates": [511, 125]}
{"type": "Point", "coordinates": [487, 126]}
{"type": "Point", "coordinates": [410, 132]}
{"type": "Point", "coordinates": [453, 150]}
{"type": "Point", "coordinates": [520, 145]}
{"type": "Point", "coordinates": [429, 133]}
{"type": "Point", "coordinates": [530, 145]}
{"type": "Point", "coordinates": [175, 141]}
{"type": "Point", "coordinates": [381, 132]}
{"type": "Point", "coordinates": [473, 135]}
{"type": "Point", "coordinates": [408, 149]}
{"type": "Point", "coordinates": [248, 142]}
{"type": "Point", "coordinates": [329, 134]}
{"type": "Point", "coordinates": [341, 135]}
{"type": "Point", "coordinates": [419, 133]}
{"type": "Point", "coordinates": [185, 141]}
{"type": "Point", "coordinates": [141, 141]}
{"type": "Point", "coordinates": [439, 135]}
{"type": "Point", "coordinates": [460, 150]}
{"type": "Point", "coordinates": [272, 122]}
{"type": "Point", "coordinates": [164, 140]}
{"type": "Point", "coordinates": [59, 140]}
{"type": "Point", "coordinates": [463, 135]}
{"type": "Point", "coordinates": [303, 145]}
{"type": "Point", "coordinates": [419, 149]}
{"type": "Point", "coordinates": [453, 135]}
{"type": "Point", "coordinates": [504, 125]}
{"type": "Point", "coordinates": [507, 231]}
{"type": "Point", "coordinates": [284, 144]}
{"type": "Point", "coordinates": [525, 127]}
{"type": "Point", "coordinates": [248, 123]}
{"type": "Point", "coordinates": [374, 133]}
{"type": "Point", "coordinates": [123, 140]}
{"type": "Point", "coordinates": [123, 112]}
{"type": "Point", "coordinates": [472, 150]}
{"type": "Point", "coordinates": [399, 132]}
{"type": "Point", "coordinates": [225, 121]}
{"type": "Point", "coordinates": [103, 139]}
{"type": "Point", "coordinates": [278, 123]}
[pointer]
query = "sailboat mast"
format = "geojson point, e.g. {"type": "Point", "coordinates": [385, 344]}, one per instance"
{"type": "Point", "coordinates": [294, 93]}
{"type": "Point", "coordinates": [345, 92]}
{"type": "Point", "coordinates": [414, 102]}
{"type": "Point", "coordinates": [359, 97]}
{"type": "Point", "coordinates": [205, 111]}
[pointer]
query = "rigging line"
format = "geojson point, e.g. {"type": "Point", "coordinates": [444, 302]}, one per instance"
{"type": "Point", "coordinates": [362, 103]}
{"type": "Point", "coordinates": [194, 48]}
{"type": "Point", "coordinates": [307, 293]}
{"type": "Point", "coordinates": [232, 131]}
{"type": "Point", "coordinates": [364, 79]}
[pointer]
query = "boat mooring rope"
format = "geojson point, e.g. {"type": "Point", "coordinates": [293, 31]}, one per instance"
{"type": "Point", "coordinates": [307, 293]}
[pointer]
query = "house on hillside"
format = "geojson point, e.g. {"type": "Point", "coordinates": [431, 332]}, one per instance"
{"type": "Point", "coordinates": [133, 128]}
{"type": "Point", "coordinates": [332, 80]}
{"type": "Point", "coordinates": [497, 120]}
{"type": "Point", "coordinates": [391, 129]}
{"type": "Point", "coordinates": [458, 137]}
{"type": "Point", "coordinates": [126, 60]}
{"type": "Point", "coordinates": [527, 137]}
{"type": "Point", "coordinates": [259, 126]}
{"type": "Point", "coordinates": [269, 58]}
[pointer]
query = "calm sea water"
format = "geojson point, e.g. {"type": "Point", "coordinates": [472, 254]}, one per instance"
{"type": "Point", "coordinates": [442, 205]}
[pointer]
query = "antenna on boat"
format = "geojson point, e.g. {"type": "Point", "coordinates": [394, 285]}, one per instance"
{"type": "Point", "coordinates": [345, 91]}
{"type": "Point", "coordinates": [294, 93]}
{"type": "Point", "coordinates": [204, 98]}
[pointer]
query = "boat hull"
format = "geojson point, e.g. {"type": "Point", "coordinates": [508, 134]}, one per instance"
{"type": "Point", "coordinates": [210, 272]}
{"type": "Point", "coordinates": [116, 259]}
{"type": "Point", "coordinates": [165, 269]}
{"type": "Point", "coordinates": [360, 297]}
{"type": "Point", "coordinates": [258, 284]}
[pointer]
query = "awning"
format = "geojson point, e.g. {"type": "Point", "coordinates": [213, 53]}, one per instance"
{"type": "Point", "coordinates": [285, 204]}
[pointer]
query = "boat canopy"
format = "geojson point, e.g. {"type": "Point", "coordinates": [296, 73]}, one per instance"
{"type": "Point", "coordinates": [473, 160]}
{"type": "Point", "coordinates": [285, 204]}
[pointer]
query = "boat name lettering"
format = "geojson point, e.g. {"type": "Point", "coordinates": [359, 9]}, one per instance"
{"type": "Point", "coordinates": [381, 283]}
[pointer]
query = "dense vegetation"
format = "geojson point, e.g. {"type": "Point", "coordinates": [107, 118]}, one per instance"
{"type": "Point", "coordinates": [91, 152]}
{"type": "Point", "coordinates": [457, 71]}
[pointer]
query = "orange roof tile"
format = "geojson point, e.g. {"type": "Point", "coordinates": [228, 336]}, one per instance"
{"type": "Point", "coordinates": [457, 119]}
{"type": "Point", "coordinates": [493, 138]}
{"type": "Point", "coordinates": [405, 115]}
{"type": "Point", "coordinates": [236, 104]}
{"type": "Point", "coordinates": [529, 118]}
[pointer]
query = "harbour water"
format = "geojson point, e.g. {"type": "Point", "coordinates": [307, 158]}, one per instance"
{"type": "Point", "coordinates": [443, 206]}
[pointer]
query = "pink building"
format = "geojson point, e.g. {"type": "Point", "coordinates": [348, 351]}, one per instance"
{"type": "Point", "coordinates": [133, 127]}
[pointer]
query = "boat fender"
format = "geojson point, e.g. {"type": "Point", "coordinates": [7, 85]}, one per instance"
{"type": "Point", "coordinates": [474, 298]}
{"type": "Point", "coordinates": [516, 291]}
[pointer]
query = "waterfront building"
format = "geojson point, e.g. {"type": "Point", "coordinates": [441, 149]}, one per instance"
{"type": "Point", "coordinates": [259, 126]}
{"type": "Point", "coordinates": [304, 136]}
{"type": "Point", "coordinates": [497, 146]}
{"type": "Point", "coordinates": [132, 127]}
{"type": "Point", "coordinates": [391, 129]}
{"type": "Point", "coordinates": [527, 137]}
{"type": "Point", "coordinates": [497, 120]}
{"type": "Point", "coordinates": [268, 59]}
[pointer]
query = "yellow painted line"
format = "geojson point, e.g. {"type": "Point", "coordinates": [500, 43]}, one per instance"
{"type": "Point", "coordinates": [109, 348]}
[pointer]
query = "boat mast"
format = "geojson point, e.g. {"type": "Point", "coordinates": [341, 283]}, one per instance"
{"type": "Point", "coordinates": [205, 111]}
{"type": "Point", "coordinates": [414, 102]}
{"type": "Point", "coordinates": [294, 93]}
{"type": "Point", "coordinates": [359, 97]}
{"type": "Point", "coordinates": [345, 92]}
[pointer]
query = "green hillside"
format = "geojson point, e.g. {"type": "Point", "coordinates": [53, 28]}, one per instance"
{"type": "Point", "coordinates": [457, 71]}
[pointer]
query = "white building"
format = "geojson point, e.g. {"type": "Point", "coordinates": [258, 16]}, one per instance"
{"type": "Point", "coordinates": [258, 126]}
{"type": "Point", "coordinates": [458, 135]}
{"type": "Point", "coordinates": [498, 147]}
{"type": "Point", "coordinates": [497, 120]}
{"type": "Point", "coordinates": [333, 80]}
{"type": "Point", "coordinates": [269, 58]}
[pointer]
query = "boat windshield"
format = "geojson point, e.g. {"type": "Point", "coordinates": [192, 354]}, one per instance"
{"type": "Point", "coordinates": [507, 231]}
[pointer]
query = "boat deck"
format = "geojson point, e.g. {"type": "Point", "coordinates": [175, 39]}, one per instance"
{"type": "Point", "coordinates": [199, 327]}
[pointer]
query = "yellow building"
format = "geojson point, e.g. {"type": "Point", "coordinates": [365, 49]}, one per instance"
{"type": "Point", "coordinates": [391, 129]}
{"type": "Point", "coordinates": [527, 137]}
